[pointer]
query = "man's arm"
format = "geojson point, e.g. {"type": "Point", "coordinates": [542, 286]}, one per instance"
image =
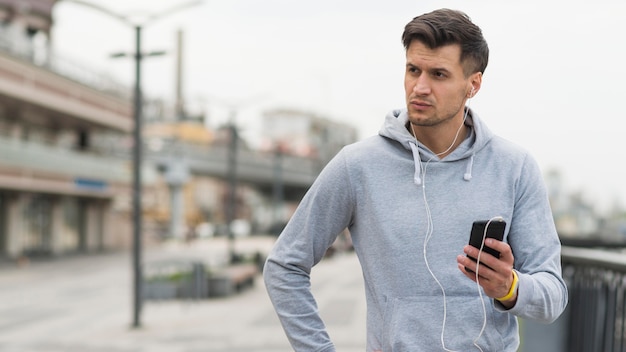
{"type": "Point", "coordinates": [541, 292]}
{"type": "Point", "coordinates": [324, 212]}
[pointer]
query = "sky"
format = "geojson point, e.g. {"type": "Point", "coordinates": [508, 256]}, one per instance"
{"type": "Point", "coordinates": [555, 83]}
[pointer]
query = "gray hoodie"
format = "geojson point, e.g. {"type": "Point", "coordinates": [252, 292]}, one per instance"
{"type": "Point", "coordinates": [409, 214]}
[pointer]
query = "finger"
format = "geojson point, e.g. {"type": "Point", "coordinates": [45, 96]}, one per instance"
{"type": "Point", "coordinates": [470, 275]}
{"type": "Point", "coordinates": [500, 246]}
{"type": "Point", "coordinates": [469, 268]}
{"type": "Point", "coordinates": [484, 257]}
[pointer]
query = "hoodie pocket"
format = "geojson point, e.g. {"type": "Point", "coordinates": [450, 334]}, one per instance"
{"type": "Point", "coordinates": [413, 324]}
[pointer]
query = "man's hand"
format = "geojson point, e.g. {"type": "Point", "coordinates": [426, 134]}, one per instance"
{"type": "Point", "coordinates": [495, 275]}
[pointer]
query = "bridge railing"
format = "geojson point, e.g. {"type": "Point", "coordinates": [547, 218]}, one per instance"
{"type": "Point", "coordinates": [595, 319]}
{"type": "Point", "coordinates": [252, 165]}
{"type": "Point", "coordinates": [597, 284]}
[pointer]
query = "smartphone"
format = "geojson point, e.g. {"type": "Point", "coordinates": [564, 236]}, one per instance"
{"type": "Point", "coordinates": [495, 229]}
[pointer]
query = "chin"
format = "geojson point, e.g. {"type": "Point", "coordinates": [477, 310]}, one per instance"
{"type": "Point", "coordinates": [416, 117]}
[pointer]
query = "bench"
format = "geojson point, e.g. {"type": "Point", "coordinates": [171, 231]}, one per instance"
{"type": "Point", "coordinates": [241, 275]}
{"type": "Point", "coordinates": [234, 278]}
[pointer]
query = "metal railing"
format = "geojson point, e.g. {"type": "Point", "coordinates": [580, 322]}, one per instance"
{"type": "Point", "coordinates": [48, 158]}
{"type": "Point", "coordinates": [112, 165]}
{"type": "Point", "coordinates": [175, 278]}
{"type": "Point", "coordinates": [252, 166]}
{"type": "Point", "coordinates": [595, 317]}
{"type": "Point", "coordinates": [597, 287]}
{"type": "Point", "coordinates": [22, 48]}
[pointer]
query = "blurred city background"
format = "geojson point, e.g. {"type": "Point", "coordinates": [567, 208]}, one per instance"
{"type": "Point", "coordinates": [241, 105]}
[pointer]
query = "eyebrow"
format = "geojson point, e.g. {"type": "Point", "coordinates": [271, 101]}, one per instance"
{"type": "Point", "coordinates": [432, 69]}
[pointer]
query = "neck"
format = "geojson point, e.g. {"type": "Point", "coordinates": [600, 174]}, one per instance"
{"type": "Point", "coordinates": [442, 142]}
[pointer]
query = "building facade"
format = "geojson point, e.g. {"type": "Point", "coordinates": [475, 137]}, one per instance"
{"type": "Point", "coordinates": [305, 134]}
{"type": "Point", "coordinates": [66, 156]}
{"type": "Point", "coordinates": [64, 142]}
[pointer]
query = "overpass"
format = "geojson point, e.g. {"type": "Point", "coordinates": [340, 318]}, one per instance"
{"type": "Point", "coordinates": [263, 170]}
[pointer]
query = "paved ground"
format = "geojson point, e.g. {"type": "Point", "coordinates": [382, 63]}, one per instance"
{"type": "Point", "coordinates": [84, 304]}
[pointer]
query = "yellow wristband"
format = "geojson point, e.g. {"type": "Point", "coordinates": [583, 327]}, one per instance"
{"type": "Point", "coordinates": [512, 290]}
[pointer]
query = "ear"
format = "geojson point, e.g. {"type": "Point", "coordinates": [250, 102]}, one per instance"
{"type": "Point", "coordinates": [475, 82]}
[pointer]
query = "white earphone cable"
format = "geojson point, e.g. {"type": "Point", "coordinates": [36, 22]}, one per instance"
{"type": "Point", "coordinates": [478, 288]}
{"type": "Point", "coordinates": [429, 233]}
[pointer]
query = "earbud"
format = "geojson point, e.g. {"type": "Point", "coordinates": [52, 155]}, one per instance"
{"type": "Point", "coordinates": [471, 94]}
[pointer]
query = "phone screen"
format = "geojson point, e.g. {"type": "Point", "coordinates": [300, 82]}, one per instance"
{"type": "Point", "coordinates": [495, 229]}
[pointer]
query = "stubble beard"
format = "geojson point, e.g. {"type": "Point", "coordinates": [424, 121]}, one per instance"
{"type": "Point", "coordinates": [420, 119]}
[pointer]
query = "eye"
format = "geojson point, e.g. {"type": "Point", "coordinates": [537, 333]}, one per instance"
{"type": "Point", "coordinates": [440, 74]}
{"type": "Point", "coordinates": [412, 69]}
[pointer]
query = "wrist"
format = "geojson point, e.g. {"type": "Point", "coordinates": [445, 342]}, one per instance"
{"type": "Point", "coordinates": [512, 290]}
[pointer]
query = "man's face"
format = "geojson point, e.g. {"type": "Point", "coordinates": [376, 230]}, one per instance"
{"type": "Point", "coordinates": [435, 85]}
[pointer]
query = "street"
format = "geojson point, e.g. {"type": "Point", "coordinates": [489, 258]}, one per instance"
{"type": "Point", "coordinates": [84, 303]}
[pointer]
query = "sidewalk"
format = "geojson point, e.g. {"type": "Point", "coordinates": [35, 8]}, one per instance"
{"type": "Point", "coordinates": [85, 304]}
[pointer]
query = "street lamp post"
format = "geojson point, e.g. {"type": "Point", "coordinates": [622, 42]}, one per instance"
{"type": "Point", "coordinates": [233, 150]}
{"type": "Point", "coordinates": [231, 209]}
{"type": "Point", "coordinates": [137, 140]}
{"type": "Point", "coordinates": [278, 192]}
{"type": "Point", "coordinates": [137, 191]}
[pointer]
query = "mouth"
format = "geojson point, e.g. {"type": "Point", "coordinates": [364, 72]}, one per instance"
{"type": "Point", "coordinates": [419, 105]}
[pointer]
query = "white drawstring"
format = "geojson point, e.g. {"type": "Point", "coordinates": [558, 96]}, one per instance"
{"type": "Point", "coordinates": [417, 177]}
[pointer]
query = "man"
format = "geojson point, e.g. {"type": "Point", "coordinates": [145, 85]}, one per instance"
{"type": "Point", "coordinates": [409, 197]}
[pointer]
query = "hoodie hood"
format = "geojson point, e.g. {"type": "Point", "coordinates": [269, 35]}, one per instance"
{"type": "Point", "coordinates": [394, 128]}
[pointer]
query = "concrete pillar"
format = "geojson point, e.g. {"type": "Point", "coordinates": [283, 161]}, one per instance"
{"type": "Point", "coordinates": [3, 224]}
{"type": "Point", "coordinates": [56, 227]}
{"type": "Point", "coordinates": [176, 176]}
{"type": "Point", "coordinates": [177, 214]}
{"type": "Point", "coordinates": [108, 239]}
{"type": "Point", "coordinates": [101, 208]}
{"type": "Point", "coordinates": [14, 245]}
{"type": "Point", "coordinates": [88, 225]}
{"type": "Point", "coordinates": [93, 228]}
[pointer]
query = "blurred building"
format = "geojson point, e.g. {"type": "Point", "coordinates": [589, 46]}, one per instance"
{"type": "Point", "coordinates": [66, 155]}
{"type": "Point", "coordinates": [305, 134]}
{"type": "Point", "coordinates": [64, 142]}
{"type": "Point", "coordinates": [574, 217]}
{"type": "Point", "coordinates": [300, 134]}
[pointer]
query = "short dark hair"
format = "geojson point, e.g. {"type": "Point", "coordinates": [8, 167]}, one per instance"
{"type": "Point", "coordinates": [443, 27]}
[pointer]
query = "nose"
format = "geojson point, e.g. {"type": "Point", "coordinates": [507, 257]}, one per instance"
{"type": "Point", "coordinates": [422, 86]}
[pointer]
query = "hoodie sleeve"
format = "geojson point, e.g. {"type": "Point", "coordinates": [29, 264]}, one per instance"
{"type": "Point", "coordinates": [324, 212]}
{"type": "Point", "coordinates": [542, 293]}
